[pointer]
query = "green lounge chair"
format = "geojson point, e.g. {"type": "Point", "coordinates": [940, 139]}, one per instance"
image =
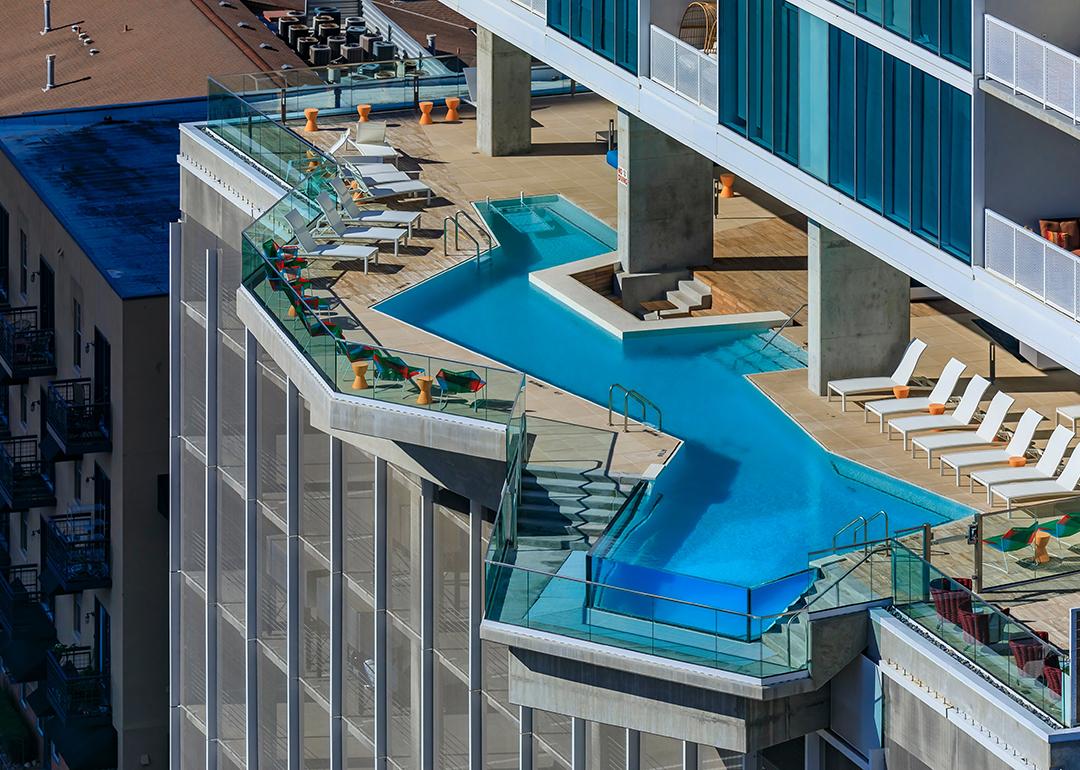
{"type": "Point", "coordinates": [1067, 526]}
{"type": "Point", "coordinates": [1014, 539]}
{"type": "Point", "coordinates": [456, 383]}
{"type": "Point", "coordinates": [392, 368]}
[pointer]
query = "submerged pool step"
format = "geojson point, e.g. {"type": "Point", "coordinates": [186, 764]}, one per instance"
{"type": "Point", "coordinates": [541, 499]}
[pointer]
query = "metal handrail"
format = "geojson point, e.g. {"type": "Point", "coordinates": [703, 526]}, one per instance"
{"type": "Point", "coordinates": [846, 527]}
{"type": "Point", "coordinates": [483, 231]}
{"type": "Point", "coordinates": [790, 320]}
{"type": "Point", "coordinates": [628, 394]}
{"type": "Point", "coordinates": [457, 230]}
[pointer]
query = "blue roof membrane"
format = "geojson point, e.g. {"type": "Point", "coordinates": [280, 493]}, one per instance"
{"type": "Point", "coordinates": [109, 175]}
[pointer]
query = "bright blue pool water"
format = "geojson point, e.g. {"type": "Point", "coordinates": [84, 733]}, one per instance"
{"type": "Point", "coordinates": [749, 494]}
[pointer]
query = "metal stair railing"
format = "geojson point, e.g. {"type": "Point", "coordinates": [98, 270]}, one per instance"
{"type": "Point", "coordinates": [788, 322]}
{"type": "Point", "coordinates": [645, 403]}
{"type": "Point", "coordinates": [458, 230]}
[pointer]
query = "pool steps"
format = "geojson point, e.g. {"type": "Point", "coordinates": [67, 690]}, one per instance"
{"type": "Point", "coordinates": [689, 296]}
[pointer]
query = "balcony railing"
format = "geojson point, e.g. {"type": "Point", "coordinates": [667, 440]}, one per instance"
{"type": "Point", "coordinates": [26, 350]}
{"type": "Point", "coordinates": [539, 7]}
{"type": "Point", "coordinates": [76, 551]}
{"type": "Point", "coordinates": [77, 691]}
{"type": "Point", "coordinates": [1032, 263]}
{"type": "Point", "coordinates": [687, 71]}
{"type": "Point", "coordinates": [77, 421]}
{"type": "Point", "coordinates": [1033, 67]}
{"type": "Point", "coordinates": [26, 479]}
{"type": "Point", "coordinates": [20, 599]}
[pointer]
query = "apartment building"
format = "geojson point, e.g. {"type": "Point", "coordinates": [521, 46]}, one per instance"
{"type": "Point", "coordinates": [362, 579]}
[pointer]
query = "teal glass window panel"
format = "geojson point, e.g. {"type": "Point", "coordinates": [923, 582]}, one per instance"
{"type": "Point", "coordinates": [956, 31]}
{"type": "Point", "coordinates": [604, 28]}
{"type": "Point", "coordinates": [842, 111]}
{"type": "Point", "coordinates": [813, 78]}
{"type": "Point", "coordinates": [581, 18]}
{"type": "Point", "coordinates": [872, 9]}
{"type": "Point", "coordinates": [786, 107]}
{"type": "Point", "coordinates": [868, 128]}
{"type": "Point", "coordinates": [558, 15]}
{"type": "Point", "coordinates": [896, 149]}
{"type": "Point", "coordinates": [956, 214]}
{"type": "Point", "coordinates": [759, 70]}
{"type": "Point", "coordinates": [898, 17]}
{"type": "Point", "coordinates": [731, 38]}
{"type": "Point", "coordinates": [626, 34]}
{"type": "Point", "coordinates": [925, 18]}
{"type": "Point", "coordinates": [925, 156]}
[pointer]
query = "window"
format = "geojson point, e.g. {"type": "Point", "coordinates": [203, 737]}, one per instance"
{"type": "Point", "coordinates": [955, 171]}
{"type": "Point", "coordinates": [76, 332]}
{"type": "Point", "coordinates": [24, 410]}
{"type": "Point", "coordinates": [897, 141]}
{"type": "Point", "coordinates": [5, 246]}
{"type": "Point", "coordinates": [608, 28]}
{"type": "Point", "coordinates": [77, 481]}
{"type": "Point", "coordinates": [925, 157]}
{"type": "Point", "coordinates": [940, 26]}
{"type": "Point", "coordinates": [24, 265]}
{"type": "Point", "coordinates": [76, 615]}
{"type": "Point", "coordinates": [24, 531]}
{"type": "Point", "coordinates": [842, 111]}
{"type": "Point", "coordinates": [868, 125]}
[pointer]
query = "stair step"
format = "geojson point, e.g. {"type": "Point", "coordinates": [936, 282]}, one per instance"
{"type": "Point", "coordinates": [573, 498]}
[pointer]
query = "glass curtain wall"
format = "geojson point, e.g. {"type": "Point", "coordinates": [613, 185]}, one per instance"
{"type": "Point", "coordinates": [889, 136]}
{"type": "Point", "coordinates": [940, 26]}
{"type": "Point", "coordinates": [608, 28]}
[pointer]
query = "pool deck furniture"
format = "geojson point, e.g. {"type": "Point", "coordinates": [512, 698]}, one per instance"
{"type": "Point", "coordinates": [311, 249]}
{"type": "Point", "coordinates": [960, 419]}
{"type": "Point", "coordinates": [1017, 447]}
{"type": "Point", "coordinates": [366, 152]}
{"type": "Point", "coordinates": [1070, 413]}
{"type": "Point", "coordinates": [353, 213]}
{"type": "Point", "coordinates": [452, 104]}
{"type": "Point", "coordinates": [1045, 469]}
{"type": "Point", "coordinates": [940, 394]}
{"type": "Point", "coordinates": [452, 383]}
{"type": "Point", "coordinates": [412, 187]}
{"type": "Point", "coordinates": [985, 435]}
{"type": "Point", "coordinates": [856, 386]}
{"type": "Point", "coordinates": [1013, 539]}
{"type": "Point", "coordinates": [392, 368]}
{"type": "Point", "coordinates": [423, 381]}
{"type": "Point", "coordinates": [1063, 486]}
{"type": "Point", "coordinates": [394, 235]}
{"type": "Point", "coordinates": [1040, 541]}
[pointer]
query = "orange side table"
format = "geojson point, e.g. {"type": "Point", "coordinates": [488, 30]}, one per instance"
{"type": "Point", "coordinates": [727, 185]}
{"type": "Point", "coordinates": [363, 110]}
{"type": "Point", "coordinates": [936, 409]}
{"type": "Point", "coordinates": [1017, 462]}
{"type": "Point", "coordinates": [424, 382]}
{"type": "Point", "coordinates": [452, 103]}
{"type": "Point", "coordinates": [359, 369]}
{"type": "Point", "coordinates": [901, 391]}
{"type": "Point", "coordinates": [425, 117]}
{"type": "Point", "coordinates": [312, 114]}
{"type": "Point", "coordinates": [1039, 541]}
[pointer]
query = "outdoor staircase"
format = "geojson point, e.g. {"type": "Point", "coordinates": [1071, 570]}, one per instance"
{"type": "Point", "coordinates": [566, 508]}
{"type": "Point", "coordinates": [681, 302]}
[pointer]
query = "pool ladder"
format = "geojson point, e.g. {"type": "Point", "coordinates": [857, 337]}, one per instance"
{"type": "Point", "coordinates": [853, 525]}
{"type": "Point", "coordinates": [788, 322]}
{"type": "Point", "coordinates": [629, 394]}
{"type": "Point", "coordinates": [459, 230]}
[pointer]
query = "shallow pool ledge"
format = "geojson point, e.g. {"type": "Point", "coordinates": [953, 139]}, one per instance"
{"type": "Point", "coordinates": [559, 282]}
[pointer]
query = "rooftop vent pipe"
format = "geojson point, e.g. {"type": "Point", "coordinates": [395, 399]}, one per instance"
{"type": "Point", "coordinates": [48, 17]}
{"type": "Point", "coordinates": [50, 71]}
{"type": "Point", "coordinates": [431, 43]}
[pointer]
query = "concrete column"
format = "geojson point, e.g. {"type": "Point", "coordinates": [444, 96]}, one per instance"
{"type": "Point", "coordinates": [578, 741]}
{"type": "Point", "coordinates": [689, 755]}
{"type": "Point", "coordinates": [665, 205]}
{"type": "Point", "coordinates": [292, 602]}
{"type": "Point", "coordinates": [251, 550]}
{"type": "Point", "coordinates": [382, 652]}
{"type": "Point", "coordinates": [525, 738]}
{"type": "Point", "coordinates": [427, 625]}
{"type": "Point", "coordinates": [211, 506]}
{"type": "Point", "coordinates": [503, 96]}
{"type": "Point", "coordinates": [476, 650]}
{"type": "Point", "coordinates": [813, 752]}
{"type": "Point", "coordinates": [860, 311]}
{"type": "Point", "coordinates": [337, 628]}
{"type": "Point", "coordinates": [633, 750]}
{"type": "Point", "coordinates": [175, 364]}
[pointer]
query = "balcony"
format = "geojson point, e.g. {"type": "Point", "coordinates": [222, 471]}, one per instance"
{"type": "Point", "coordinates": [77, 422]}
{"type": "Point", "coordinates": [27, 629]}
{"type": "Point", "coordinates": [1030, 262]}
{"type": "Point", "coordinates": [77, 691]}
{"type": "Point", "coordinates": [686, 70]}
{"type": "Point", "coordinates": [26, 479]}
{"type": "Point", "coordinates": [75, 550]}
{"type": "Point", "coordinates": [26, 350]}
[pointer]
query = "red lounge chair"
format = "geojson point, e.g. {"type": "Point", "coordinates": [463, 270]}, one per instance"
{"type": "Point", "coordinates": [949, 601]}
{"type": "Point", "coordinates": [1028, 655]}
{"type": "Point", "coordinates": [1052, 673]}
{"type": "Point", "coordinates": [976, 626]}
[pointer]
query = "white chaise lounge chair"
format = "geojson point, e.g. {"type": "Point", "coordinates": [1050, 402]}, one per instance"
{"type": "Point", "coordinates": [355, 214]}
{"type": "Point", "coordinates": [1063, 486]}
{"type": "Point", "coordinates": [857, 386]}
{"type": "Point", "coordinates": [941, 393]}
{"type": "Point", "coordinates": [1043, 470]}
{"type": "Point", "coordinates": [1018, 446]}
{"type": "Point", "coordinates": [411, 187]}
{"type": "Point", "coordinates": [366, 151]}
{"type": "Point", "coordinates": [374, 233]}
{"type": "Point", "coordinates": [984, 436]}
{"type": "Point", "coordinates": [311, 249]}
{"type": "Point", "coordinates": [960, 419]}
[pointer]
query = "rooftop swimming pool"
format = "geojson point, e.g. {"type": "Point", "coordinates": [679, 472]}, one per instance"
{"type": "Point", "coordinates": [748, 495]}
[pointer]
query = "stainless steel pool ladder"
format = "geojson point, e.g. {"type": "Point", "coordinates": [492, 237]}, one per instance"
{"type": "Point", "coordinates": [790, 320]}
{"type": "Point", "coordinates": [640, 399]}
{"type": "Point", "coordinates": [458, 230]}
{"type": "Point", "coordinates": [865, 522]}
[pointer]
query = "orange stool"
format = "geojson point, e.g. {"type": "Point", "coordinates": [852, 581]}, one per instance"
{"type": "Point", "coordinates": [312, 164]}
{"type": "Point", "coordinates": [1041, 538]}
{"type": "Point", "coordinates": [727, 185]}
{"type": "Point", "coordinates": [425, 118]}
{"type": "Point", "coordinates": [363, 110]}
{"type": "Point", "coordinates": [359, 369]}
{"type": "Point", "coordinates": [311, 113]}
{"type": "Point", "coordinates": [936, 409]}
{"type": "Point", "coordinates": [1017, 462]}
{"type": "Point", "coordinates": [901, 391]}
{"type": "Point", "coordinates": [452, 103]}
{"type": "Point", "coordinates": [424, 382]}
